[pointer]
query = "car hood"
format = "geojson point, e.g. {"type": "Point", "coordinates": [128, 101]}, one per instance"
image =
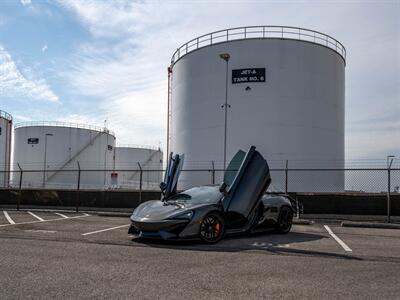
{"type": "Point", "coordinates": [157, 210]}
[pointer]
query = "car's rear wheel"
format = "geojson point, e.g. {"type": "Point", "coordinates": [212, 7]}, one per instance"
{"type": "Point", "coordinates": [285, 220]}
{"type": "Point", "coordinates": [212, 228]}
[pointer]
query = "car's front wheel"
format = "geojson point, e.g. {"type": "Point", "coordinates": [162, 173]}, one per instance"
{"type": "Point", "coordinates": [212, 228]}
{"type": "Point", "coordinates": [285, 220]}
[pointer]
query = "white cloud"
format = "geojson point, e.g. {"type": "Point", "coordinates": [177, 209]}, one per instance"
{"type": "Point", "coordinates": [124, 64]}
{"type": "Point", "coordinates": [26, 2]}
{"type": "Point", "coordinates": [44, 48]}
{"type": "Point", "coordinates": [14, 83]}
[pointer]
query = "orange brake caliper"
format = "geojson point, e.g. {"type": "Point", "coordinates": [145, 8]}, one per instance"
{"type": "Point", "coordinates": [217, 228]}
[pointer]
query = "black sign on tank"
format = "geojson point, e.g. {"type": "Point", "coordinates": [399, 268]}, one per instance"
{"type": "Point", "coordinates": [33, 141]}
{"type": "Point", "coordinates": [248, 75]}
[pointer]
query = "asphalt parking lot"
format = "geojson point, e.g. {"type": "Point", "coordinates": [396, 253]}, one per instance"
{"type": "Point", "coordinates": [78, 255]}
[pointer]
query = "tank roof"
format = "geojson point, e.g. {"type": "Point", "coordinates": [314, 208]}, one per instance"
{"type": "Point", "coordinates": [260, 32]}
{"type": "Point", "coordinates": [63, 124]}
{"type": "Point", "coordinates": [134, 146]}
{"type": "Point", "coordinates": [5, 115]}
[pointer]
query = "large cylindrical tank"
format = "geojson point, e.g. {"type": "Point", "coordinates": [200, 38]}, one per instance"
{"type": "Point", "coordinates": [285, 91]}
{"type": "Point", "coordinates": [5, 148]}
{"type": "Point", "coordinates": [128, 161]}
{"type": "Point", "coordinates": [49, 153]}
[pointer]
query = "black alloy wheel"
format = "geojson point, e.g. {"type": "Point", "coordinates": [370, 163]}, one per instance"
{"type": "Point", "coordinates": [285, 220]}
{"type": "Point", "coordinates": [212, 228]}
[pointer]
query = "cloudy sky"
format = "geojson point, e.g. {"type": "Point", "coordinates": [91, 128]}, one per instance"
{"type": "Point", "coordinates": [90, 61]}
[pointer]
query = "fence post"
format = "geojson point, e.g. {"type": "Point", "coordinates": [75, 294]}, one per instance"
{"type": "Point", "coordinates": [388, 190]}
{"type": "Point", "coordinates": [20, 186]}
{"type": "Point", "coordinates": [286, 176]}
{"type": "Point", "coordinates": [140, 182]}
{"type": "Point", "coordinates": [78, 188]}
{"type": "Point", "coordinates": [213, 173]}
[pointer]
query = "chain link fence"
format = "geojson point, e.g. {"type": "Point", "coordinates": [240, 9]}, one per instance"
{"type": "Point", "coordinates": [288, 180]}
{"type": "Point", "coordinates": [94, 186]}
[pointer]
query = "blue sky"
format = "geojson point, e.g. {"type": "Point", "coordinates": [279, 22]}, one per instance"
{"type": "Point", "coordinates": [90, 61]}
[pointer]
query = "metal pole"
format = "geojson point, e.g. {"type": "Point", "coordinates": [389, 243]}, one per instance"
{"type": "Point", "coordinates": [389, 164]}
{"type": "Point", "coordinates": [20, 186]}
{"type": "Point", "coordinates": [45, 154]}
{"type": "Point", "coordinates": [140, 183]}
{"type": "Point", "coordinates": [78, 188]}
{"type": "Point", "coordinates": [226, 112]}
{"type": "Point", "coordinates": [213, 172]}
{"type": "Point", "coordinates": [44, 161]}
{"type": "Point", "coordinates": [226, 57]}
{"type": "Point", "coordinates": [286, 176]}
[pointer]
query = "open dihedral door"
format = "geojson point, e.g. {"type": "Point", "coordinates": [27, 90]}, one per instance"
{"type": "Point", "coordinates": [245, 181]}
{"type": "Point", "coordinates": [169, 185]}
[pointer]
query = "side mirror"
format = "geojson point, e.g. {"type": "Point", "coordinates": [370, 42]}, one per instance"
{"type": "Point", "coordinates": [222, 188]}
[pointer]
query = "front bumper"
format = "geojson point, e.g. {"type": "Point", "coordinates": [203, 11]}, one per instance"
{"type": "Point", "coordinates": [165, 229]}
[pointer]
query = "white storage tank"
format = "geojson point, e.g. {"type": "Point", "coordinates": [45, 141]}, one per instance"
{"type": "Point", "coordinates": [49, 152]}
{"type": "Point", "coordinates": [128, 161]}
{"type": "Point", "coordinates": [286, 95]}
{"type": "Point", "coordinates": [5, 148]}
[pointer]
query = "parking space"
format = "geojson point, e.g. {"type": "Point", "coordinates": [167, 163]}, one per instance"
{"type": "Point", "coordinates": [319, 239]}
{"type": "Point", "coordinates": [371, 241]}
{"type": "Point", "coordinates": [104, 261]}
{"type": "Point", "coordinates": [13, 219]}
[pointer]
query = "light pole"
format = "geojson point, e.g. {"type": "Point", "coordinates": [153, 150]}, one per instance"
{"type": "Point", "coordinates": [225, 57]}
{"type": "Point", "coordinates": [388, 164]}
{"type": "Point", "coordinates": [45, 153]}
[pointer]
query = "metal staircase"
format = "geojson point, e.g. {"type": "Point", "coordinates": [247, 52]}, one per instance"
{"type": "Point", "coordinates": [144, 164]}
{"type": "Point", "coordinates": [66, 163]}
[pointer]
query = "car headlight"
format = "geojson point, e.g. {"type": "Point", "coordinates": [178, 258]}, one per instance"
{"type": "Point", "coordinates": [187, 215]}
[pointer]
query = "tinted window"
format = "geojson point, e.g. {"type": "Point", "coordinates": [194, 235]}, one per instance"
{"type": "Point", "coordinates": [233, 167]}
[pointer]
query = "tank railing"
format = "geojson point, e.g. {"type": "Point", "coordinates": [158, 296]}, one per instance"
{"type": "Point", "coordinates": [251, 32]}
{"type": "Point", "coordinates": [5, 115]}
{"type": "Point", "coordinates": [138, 146]}
{"type": "Point", "coordinates": [64, 124]}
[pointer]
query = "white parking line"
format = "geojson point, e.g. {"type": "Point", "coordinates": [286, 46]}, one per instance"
{"type": "Point", "coordinates": [35, 216]}
{"type": "Point", "coordinates": [61, 215]}
{"type": "Point", "coordinates": [341, 243]}
{"type": "Point", "coordinates": [107, 229]}
{"type": "Point", "coordinates": [11, 221]}
{"type": "Point", "coordinates": [32, 222]}
{"type": "Point", "coordinates": [41, 231]}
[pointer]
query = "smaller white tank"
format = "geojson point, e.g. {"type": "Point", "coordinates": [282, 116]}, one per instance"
{"type": "Point", "coordinates": [49, 153]}
{"type": "Point", "coordinates": [5, 148]}
{"type": "Point", "coordinates": [128, 161]}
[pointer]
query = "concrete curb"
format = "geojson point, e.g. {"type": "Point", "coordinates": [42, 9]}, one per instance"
{"type": "Point", "coordinates": [371, 225]}
{"type": "Point", "coordinates": [302, 222]}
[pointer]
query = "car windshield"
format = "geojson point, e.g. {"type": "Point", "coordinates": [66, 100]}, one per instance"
{"type": "Point", "coordinates": [180, 196]}
{"type": "Point", "coordinates": [202, 194]}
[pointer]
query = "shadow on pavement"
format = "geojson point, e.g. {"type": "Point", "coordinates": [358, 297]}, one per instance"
{"type": "Point", "coordinates": [271, 243]}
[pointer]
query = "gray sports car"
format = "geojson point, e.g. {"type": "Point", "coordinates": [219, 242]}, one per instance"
{"type": "Point", "coordinates": [239, 205]}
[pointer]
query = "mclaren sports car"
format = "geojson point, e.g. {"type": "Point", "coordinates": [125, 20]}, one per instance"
{"type": "Point", "coordinates": [238, 206]}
